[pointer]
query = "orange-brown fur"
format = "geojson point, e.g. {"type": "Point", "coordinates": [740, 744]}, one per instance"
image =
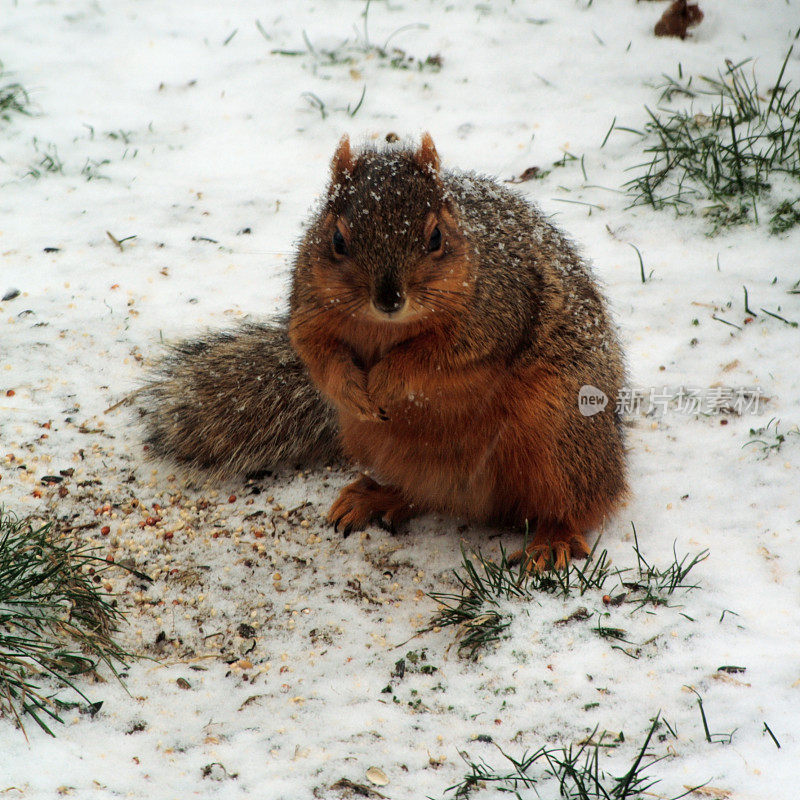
{"type": "Point", "coordinates": [467, 404]}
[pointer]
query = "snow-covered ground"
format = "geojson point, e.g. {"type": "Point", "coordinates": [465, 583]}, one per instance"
{"type": "Point", "coordinates": [204, 130]}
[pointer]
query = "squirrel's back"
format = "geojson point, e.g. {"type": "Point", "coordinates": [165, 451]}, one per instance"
{"type": "Point", "coordinates": [533, 278]}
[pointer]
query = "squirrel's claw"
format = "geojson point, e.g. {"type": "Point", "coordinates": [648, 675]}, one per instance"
{"type": "Point", "coordinates": [365, 500]}
{"type": "Point", "coordinates": [392, 520]}
{"type": "Point", "coordinates": [553, 547]}
{"type": "Point", "coordinates": [385, 385]}
{"type": "Point", "coordinates": [387, 524]}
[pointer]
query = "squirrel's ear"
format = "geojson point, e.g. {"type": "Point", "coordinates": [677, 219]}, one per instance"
{"type": "Point", "coordinates": [343, 162]}
{"type": "Point", "coordinates": [426, 156]}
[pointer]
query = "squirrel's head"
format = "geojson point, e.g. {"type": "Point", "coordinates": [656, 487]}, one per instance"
{"type": "Point", "coordinates": [388, 246]}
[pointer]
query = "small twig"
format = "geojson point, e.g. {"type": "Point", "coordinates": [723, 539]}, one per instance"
{"type": "Point", "coordinates": [641, 262]}
{"type": "Point", "coordinates": [782, 319]}
{"type": "Point", "coordinates": [772, 736]}
{"type": "Point", "coordinates": [747, 309]}
{"type": "Point", "coordinates": [605, 138]}
{"type": "Point", "coordinates": [262, 31]}
{"type": "Point", "coordinates": [354, 111]}
{"type": "Point", "coordinates": [579, 203]}
{"type": "Point", "coordinates": [119, 242]}
{"type": "Point", "coordinates": [127, 399]}
{"type": "Point", "coordinates": [725, 322]}
{"type": "Point", "coordinates": [702, 713]}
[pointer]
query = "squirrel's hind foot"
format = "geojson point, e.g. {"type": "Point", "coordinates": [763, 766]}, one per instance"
{"type": "Point", "coordinates": [365, 501]}
{"type": "Point", "coordinates": [553, 547]}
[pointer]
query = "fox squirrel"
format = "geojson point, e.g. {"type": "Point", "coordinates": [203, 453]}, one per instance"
{"type": "Point", "coordinates": [448, 329]}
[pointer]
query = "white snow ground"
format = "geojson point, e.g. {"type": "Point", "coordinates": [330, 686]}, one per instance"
{"type": "Point", "coordinates": [192, 128]}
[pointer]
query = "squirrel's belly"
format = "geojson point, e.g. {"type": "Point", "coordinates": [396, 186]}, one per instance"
{"type": "Point", "coordinates": [530, 454]}
{"type": "Point", "coordinates": [446, 468]}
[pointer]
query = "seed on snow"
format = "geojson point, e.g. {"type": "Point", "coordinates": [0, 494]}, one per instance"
{"type": "Point", "coordinates": [377, 776]}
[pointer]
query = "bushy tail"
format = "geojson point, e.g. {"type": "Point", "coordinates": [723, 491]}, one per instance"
{"type": "Point", "coordinates": [238, 402]}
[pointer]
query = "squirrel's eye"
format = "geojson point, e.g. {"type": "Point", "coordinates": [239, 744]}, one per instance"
{"type": "Point", "coordinates": [435, 242]}
{"type": "Point", "coordinates": [339, 244]}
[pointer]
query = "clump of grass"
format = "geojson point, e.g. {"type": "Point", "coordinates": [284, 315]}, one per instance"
{"type": "Point", "coordinates": [318, 104]}
{"type": "Point", "coordinates": [13, 98]}
{"type": "Point", "coordinates": [734, 150]}
{"type": "Point", "coordinates": [352, 51]}
{"type": "Point", "coordinates": [768, 439]}
{"type": "Point", "coordinates": [577, 772]}
{"type": "Point", "coordinates": [653, 585]}
{"type": "Point", "coordinates": [785, 216]}
{"type": "Point", "coordinates": [711, 738]}
{"type": "Point", "coordinates": [478, 610]}
{"type": "Point", "coordinates": [91, 169]}
{"type": "Point", "coordinates": [48, 161]}
{"type": "Point", "coordinates": [475, 611]}
{"type": "Point", "coordinates": [55, 622]}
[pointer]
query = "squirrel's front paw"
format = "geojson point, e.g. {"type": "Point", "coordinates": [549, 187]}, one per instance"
{"type": "Point", "coordinates": [355, 400]}
{"type": "Point", "coordinates": [363, 501]}
{"type": "Point", "coordinates": [385, 386]}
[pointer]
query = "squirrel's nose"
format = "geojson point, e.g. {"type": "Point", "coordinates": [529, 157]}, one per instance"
{"type": "Point", "coordinates": [388, 298]}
